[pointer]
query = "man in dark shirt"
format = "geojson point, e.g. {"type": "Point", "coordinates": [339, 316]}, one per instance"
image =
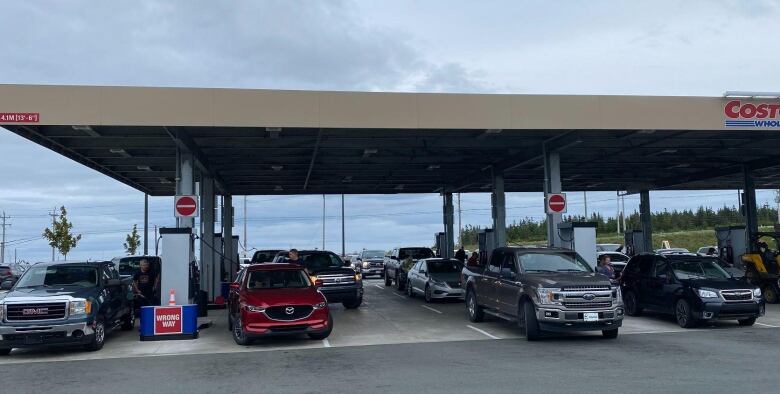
{"type": "Point", "coordinates": [460, 255]}
{"type": "Point", "coordinates": [145, 283]}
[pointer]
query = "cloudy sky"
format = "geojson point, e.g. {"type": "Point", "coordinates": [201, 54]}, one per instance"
{"type": "Point", "coordinates": [570, 47]}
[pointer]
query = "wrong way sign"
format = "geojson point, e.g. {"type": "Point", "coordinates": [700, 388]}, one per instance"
{"type": "Point", "coordinates": [555, 203]}
{"type": "Point", "coordinates": [185, 206]}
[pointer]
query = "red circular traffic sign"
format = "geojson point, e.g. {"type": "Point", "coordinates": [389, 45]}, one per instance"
{"type": "Point", "coordinates": [186, 206]}
{"type": "Point", "coordinates": [556, 203]}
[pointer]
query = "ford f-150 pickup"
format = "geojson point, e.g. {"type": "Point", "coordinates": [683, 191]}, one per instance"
{"type": "Point", "coordinates": [543, 290]}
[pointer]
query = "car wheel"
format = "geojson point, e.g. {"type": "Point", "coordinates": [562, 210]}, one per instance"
{"type": "Point", "coordinates": [229, 321]}
{"type": "Point", "coordinates": [428, 294]}
{"type": "Point", "coordinates": [770, 294]}
{"type": "Point", "coordinates": [239, 336]}
{"type": "Point", "coordinates": [128, 323]}
{"type": "Point", "coordinates": [99, 337]}
{"type": "Point", "coordinates": [684, 315]}
{"type": "Point", "coordinates": [476, 313]}
{"type": "Point", "coordinates": [410, 291]}
{"type": "Point", "coordinates": [631, 304]}
{"type": "Point", "coordinates": [610, 334]}
{"type": "Point", "coordinates": [353, 303]}
{"type": "Point", "coordinates": [322, 335]}
{"type": "Point", "coordinates": [388, 281]}
{"type": "Point", "coordinates": [528, 321]}
{"type": "Point", "coordinates": [5, 352]}
{"type": "Point", "coordinates": [399, 284]}
{"type": "Point", "coordinates": [747, 322]}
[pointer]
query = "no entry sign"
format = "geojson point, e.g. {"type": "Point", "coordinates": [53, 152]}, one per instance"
{"type": "Point", "coordinates": [186, 206]}
{"type": "Point", "coordinates": [167, 320]}
{"type": "Point", "coordinates": [556, 203]}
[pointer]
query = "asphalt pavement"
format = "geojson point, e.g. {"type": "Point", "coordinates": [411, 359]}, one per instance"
{"type": "Point", "coordinates": [393, 344]}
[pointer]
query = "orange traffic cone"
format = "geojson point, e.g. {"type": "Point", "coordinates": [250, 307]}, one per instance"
{"type": "Point", "coordinates": [172, 298]}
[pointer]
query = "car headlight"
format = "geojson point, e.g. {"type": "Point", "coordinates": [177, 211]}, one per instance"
{"type": "Point", "coordinates": [617, 293]}
{"type": "Point", "coordinates": [80, 308]}
{"type": "Point", "coordinates": [547, 296]}
{"type": "Point", "coordinates": [254, 308]}
{"type": "Point", "coordinates": [756, 292]}
{"type": "Point", "coordinates": [321, 305]}
{"type": "Point", "coordinates": [707, 294]}
{"type": "Point", "coordinates": [2, 312]}
{"type": "Point", "coordinates": [439, 283]}
{"type": "Point", "coordinates": [357, 277]}
{"type": "Point", "coordinates": [366, 264]}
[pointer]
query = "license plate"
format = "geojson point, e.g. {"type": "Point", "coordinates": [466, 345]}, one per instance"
{"type": "Point", "coordinates": [590, 316]}
{"type": "Point", "coordinates": [33, 339]}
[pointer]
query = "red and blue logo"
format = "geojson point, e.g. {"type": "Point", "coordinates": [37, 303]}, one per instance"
{"type": "Point", "coordinates": [764, 115]}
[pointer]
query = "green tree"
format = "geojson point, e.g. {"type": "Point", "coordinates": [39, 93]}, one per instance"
{"type": "Point", "coordinates": [59, 236]}
{"type": "Point", "coordinates": [132, 241]}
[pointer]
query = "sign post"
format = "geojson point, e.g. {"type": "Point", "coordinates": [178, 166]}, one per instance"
{"type": "Point", "coordinates": [555, 203]}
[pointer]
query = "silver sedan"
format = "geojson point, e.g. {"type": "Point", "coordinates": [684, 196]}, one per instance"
{"type": "Point", "coordinates": [435, 279]}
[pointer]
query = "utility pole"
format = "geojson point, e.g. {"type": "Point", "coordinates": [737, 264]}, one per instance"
{"type": "Point", "coordinates": [623, 210]}
{"type": "Point", "coordinates": [585, 199]}
{"type": "Point", "coordinates": [323, 222]}
{"type": "Point", "coordinates": [2, 243]}
{"type": "Point", "coordinates": [245, 239]}
{"type": "Point", "coordinates": [460, 226]}
{"type": "Point", "coordinates": [777, 200]}
{"type": "Point", "coordinates": [53, 215]}
{"type": "Point", "coordinates": [156, 252]}
{"type": "Point", "coordinates": [343, 238]}
{"type": "Point", "coordinates": [617, 212]}
{"type": "Point", "coordinates": [146, 224]}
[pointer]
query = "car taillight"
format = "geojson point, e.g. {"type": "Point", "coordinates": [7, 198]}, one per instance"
{"type": "Point", "coordinates": [318, 283]}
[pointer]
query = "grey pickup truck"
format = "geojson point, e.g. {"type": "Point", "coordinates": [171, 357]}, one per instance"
{"type": "Point", "coordinates": [543, 290]}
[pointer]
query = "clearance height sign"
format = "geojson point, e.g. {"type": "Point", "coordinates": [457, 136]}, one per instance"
{"type": "Point", "coordinates": [168, 320]}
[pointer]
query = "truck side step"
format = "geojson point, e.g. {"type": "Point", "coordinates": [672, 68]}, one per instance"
{"type": "Point", "coordinates": [500, 315]}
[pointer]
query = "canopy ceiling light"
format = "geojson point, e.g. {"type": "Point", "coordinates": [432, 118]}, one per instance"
{"type": "Point", "coordinates": [753, 95]}
{"type": "Point", "coordinates": [86, 129]}
{"type": "Point", "coordinates": [277, 167]}
{"type": "Point", "coordinates": [278, 188]}
{"type": "Point", "coordinates": [273, 132]}
{"type": "Point", "coordinates": [120, 152]}
{"type": "Point", "coordinates": [370, 151]}
{"type": "Point", "coordinates": [432, 167]}
{"type": "Point", "coordinates": [165, 181]}
{"type": "Point", "coordinates": [399, 187]}
{"type": "Point", "coordinates": [144, 168]}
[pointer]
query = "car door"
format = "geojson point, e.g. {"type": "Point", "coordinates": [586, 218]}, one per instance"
{"type": "Point", "coordinates": [414, 275]}
{"type": "Point", "coordinates": [653, 282]}
{"type": "Point", "coordinates": [508, 285]}
{"type": "Point", "coordinates": [111, 295]}
{"type": "Point", "coordinates": [488, 282]}
{"type": "Point", "coordinates": [233, 293]}
{"type": "Point", "coordinates": [661, 288]}
{"type": "Point", "coordinates": [123, 294]}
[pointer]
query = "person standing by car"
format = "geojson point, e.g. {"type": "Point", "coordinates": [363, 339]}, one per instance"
{"type": "Point", "coordinates": [473, 260]}
{"type": "Point", "coordinates": [605, 268]}
{"type": "Point", "coordinates": [460, 255]}
{"type": "Point", "coordinates": [145, 284]}
{"type": "Point", "coordinates": [294, 258]}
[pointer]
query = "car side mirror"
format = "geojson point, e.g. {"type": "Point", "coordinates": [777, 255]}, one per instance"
{"type": "Point", "coordinates": [7, 285]}
{"type": "Point", "coordinates": [112, 282]}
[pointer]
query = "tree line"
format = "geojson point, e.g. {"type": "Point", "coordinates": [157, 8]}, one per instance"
{"type": "Point", "coordinates": [703, 218]}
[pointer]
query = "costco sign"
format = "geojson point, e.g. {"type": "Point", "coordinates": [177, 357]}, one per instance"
{"type": "Point", "coordinates": [750, 114]}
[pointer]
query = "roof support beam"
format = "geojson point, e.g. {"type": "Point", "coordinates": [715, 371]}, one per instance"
{"type": "Point", "coordinates": [313, 157]}
{"type": "Point", "coordinates": [184, 141]}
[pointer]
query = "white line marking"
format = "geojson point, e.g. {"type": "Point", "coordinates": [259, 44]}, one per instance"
{"type": "Point", "coordinates": [396, 294]}
{"type": "Point", "coordinates": [325, 342]}
{"type": "Point", "coordinates": [381, 287]}
{"type": "Point", "coordinates": [483, 332]}
{"type": "Point", "coordinates": [767, 325]}
{"type": "Point", "coordinates": [431, 309]}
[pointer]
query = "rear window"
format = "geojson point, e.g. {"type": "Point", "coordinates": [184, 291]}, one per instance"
{"type": "Point", "coordinates": [131, 265]}
{"type": "Point", "coordinates": [415, 253]}
{"type": "Point", "coordinates": [443, 267]}
{"type": "Point", "coordinates": [264, 256]}
{"type": "Point", "coordinates": [281, 279]}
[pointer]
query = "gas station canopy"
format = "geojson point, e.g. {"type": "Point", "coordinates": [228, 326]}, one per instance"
{"type": "Point", "coordinates": [305, 142]}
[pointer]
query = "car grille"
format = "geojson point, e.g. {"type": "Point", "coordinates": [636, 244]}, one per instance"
{"type": "Point", "coordinates": [454, 284]}
{"type": "Point", "coordinates": [737, 295]}
{"type": "Point", "coordinates": [376, 265]}
{"type": "Point", "coordinates": [43, 336]}
{"type": "Point", "coordinates": [33, 312]}
{"type": "Point", "coordinates": [280, 312]}
{"type": "Point", "coordinates": [587, 288]}
{"type": "Point", "coordinates": [587, 305]}
{"type": "Point", "coordinates": [336, 280]}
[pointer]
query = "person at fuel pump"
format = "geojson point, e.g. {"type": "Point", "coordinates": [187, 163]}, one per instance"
{"type": "Point", "coordinates": [460, 255]}
{"type": "Point", "coordinates": [473, 261]}
{"type": "Point", "coordinates": [145, 284]}
{"type": "Point", "coordinates": [605, 268]}
{"type": "Point", "coordinates": [294, 258]}
{"type": "Point", "coordinates": [768, 255]}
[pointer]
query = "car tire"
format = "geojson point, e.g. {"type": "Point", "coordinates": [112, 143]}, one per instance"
{"type": "Point", "coordinates": [388, 281]}
{"type": "Point", "coordinates": [476, 313]}
{"type": "Point", "coordinates": [5, 352]}
{"type": "Point", "coordinates": [128, 322]}
{"type": "Point", "coordinates": [353, 303]}
{"type": "Point", "coordinates": [747, 322]}
{"type": "Point", "coordinates": [683, 314]}
{"type": "Point", "coordinates": [98, 338]}
{"type": "Point", "coordinates": [322, 335]}
{"type": "Point", "coordinates": [428, 294]}
{"type": "Point", "coordinates": [610, 334]}
{"type": "Point", "coordinates": [631, 304]}
{"type": "Point", "coordinates": [410, 291]}
{"type": "Point", "coordinates": [399, 284]}
{"type": "Point", "coordinates": [770, 294]}
{"type": "Point", "coordinates": [529, 324]}
{"type": "Point", "coordinates": [239, 336]}
{"type": "Point", "coordinates": [229, 321]}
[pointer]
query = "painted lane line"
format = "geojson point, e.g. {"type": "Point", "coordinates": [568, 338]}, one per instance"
{"type": "Point", "coordinates": [381, 287]}
{"type": "Point", "coordinates": [398, 295]}
{"type": "Point", "coordinates": [767, 325]}
{"type": "Point", "coordinates": [431, 309]}
{"type": "Point", "coordinates": [483, 332]}
{"type": "Point", "coordinates": [325, 342]}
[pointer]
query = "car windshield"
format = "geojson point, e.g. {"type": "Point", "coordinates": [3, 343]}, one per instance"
{"type": "Point", "coordinates": [698, 269]}
{"type": "Point", "coordinates": [415, 253]}
{"type": "Point", "coordinates": [372, 254]}
{"type": "Point", "coordinates": [443, 266]}
{"type": "Point", "coordinates": [59, 275]}
{"type": "Point", "coordinates": [553, 262]}
{"type": "Point", "coordinates": [282, 279]}
{"type": "Point", "coordinates": [320, 261]}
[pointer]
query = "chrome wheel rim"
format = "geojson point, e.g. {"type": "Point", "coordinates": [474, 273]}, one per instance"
{"type": "Point", "coordinates": [100, 333]}
{"type": "Point", "coordinates": [427, 293]}
{"type": "Point", "coordinates": [630, 303]}
{"type": "Point", "coordinates": [237, 331]}
{"type": "Point", "coordinates": [682, 313]}
{"type": "Point", "coordinates": [472, 305]}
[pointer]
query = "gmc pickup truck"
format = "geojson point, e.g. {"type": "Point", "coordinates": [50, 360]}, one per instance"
{"type": "Point", "coordinates": [65, 303]}
{"type": "Point", "coordinates": [543, 290]}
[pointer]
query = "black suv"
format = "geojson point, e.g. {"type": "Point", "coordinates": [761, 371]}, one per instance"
{"type": "Point", "coordinates": [693, 288]}
{"type": "Point", "coordinates": [335, 279]}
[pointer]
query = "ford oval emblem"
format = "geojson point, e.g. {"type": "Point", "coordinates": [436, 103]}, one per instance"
{"type": "Point", "coordinates": [589, 296]}
{"type": "Point", "coordinates": [289, 310]}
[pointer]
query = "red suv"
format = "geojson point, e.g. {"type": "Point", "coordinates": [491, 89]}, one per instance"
{"type": "Point", "coordinates": [276, 299]}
